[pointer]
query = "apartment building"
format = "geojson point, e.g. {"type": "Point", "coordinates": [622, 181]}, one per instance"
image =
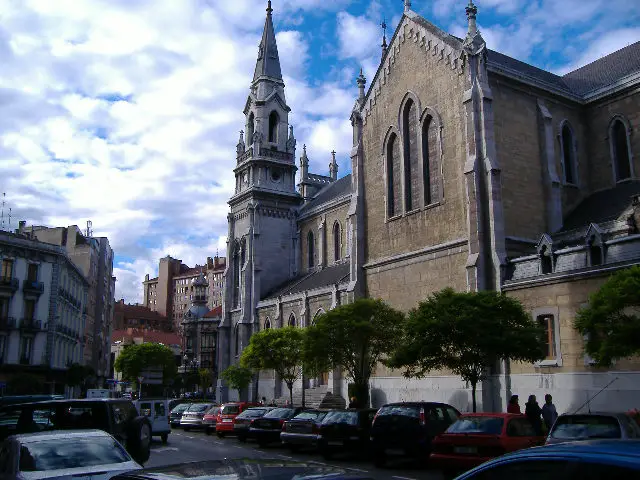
{"type": "Point", "coordinates": [128, 316]}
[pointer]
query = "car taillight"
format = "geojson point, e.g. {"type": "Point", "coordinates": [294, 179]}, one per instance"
{"type": "Point", "coordinates": [284, 425]}
{"type": "Point", "coordinates": [422, 420]}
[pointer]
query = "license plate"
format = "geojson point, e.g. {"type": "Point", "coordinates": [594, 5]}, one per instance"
{"type": "Point", "coordinates": [334, 443]}
{"type": "Point", "coordinates": [227, 420]}
{"type": "Point", "coordinates": [465, 449]}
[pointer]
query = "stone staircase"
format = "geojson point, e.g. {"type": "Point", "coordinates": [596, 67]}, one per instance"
{"type": "Point", "coordinates": [317, 397]}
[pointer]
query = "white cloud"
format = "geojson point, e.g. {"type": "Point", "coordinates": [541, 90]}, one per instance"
{"type": "Point", "coordinates": [359, 37]}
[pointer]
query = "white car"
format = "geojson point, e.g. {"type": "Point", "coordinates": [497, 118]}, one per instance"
{"type": "Point", "coordinates": [83, 454]}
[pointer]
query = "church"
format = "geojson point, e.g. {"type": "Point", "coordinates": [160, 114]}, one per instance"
{"type": "Point", "coordinates": [469, 169]}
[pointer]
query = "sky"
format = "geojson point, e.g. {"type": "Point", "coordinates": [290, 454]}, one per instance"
{"type": "Point", "coordinates": [127, 112]}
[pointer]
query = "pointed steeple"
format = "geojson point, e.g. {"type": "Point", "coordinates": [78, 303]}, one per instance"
{"type": "Point", "coordinates": [268, 63]}
{"type": "Point", "coordinates": [407, 5]}
{"type": "Point", "coordinates": [384, 37]}
{"type": "Point", "coordinates": [333, 167]}
{"type": "Point", "coordinates": [472, 12]}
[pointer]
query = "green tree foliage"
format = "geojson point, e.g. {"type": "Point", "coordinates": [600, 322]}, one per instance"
{"type": "Point", "coordinates": [354, 337]}
{"type": "Point", "coordinates": [467, 332]}
{"type": "Point", "coordinates": [278, 349]}
{"type": "Point", "coordinates": [611, 321]}
{"type": "Point", "coordinates": [136, 358]}
{"type": "Point", "coordinates": [205, 378]}
{"type": "Point", "coordinates": [237, 377]}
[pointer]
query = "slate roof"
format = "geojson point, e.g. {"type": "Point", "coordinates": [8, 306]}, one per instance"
{"type": "Point", "coordinates": [605, 70]}
{"type": "Point", "coordinates": [504, 61]}
{"type": "Point", "coordinates": [602, 206]}
{"type": "Point", "coordinates": [214, 313]}
{"type": "Point", "coordinates": [336, 189]}
{"type": "Point", "coordinates": [317, 279]}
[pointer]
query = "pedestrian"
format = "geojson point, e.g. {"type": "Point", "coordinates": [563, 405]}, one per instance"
{"type": "Point", "coordinates": [353, 402]}
{"type": "Point", "coordinates": [263, 402]}
{"type": "Point", "coordinates": [287, 404]}
{"type": "Point", "coordinates": [513, 406]}
{"type": "Point", "coordinates": [549, 413]}
{"type": "Point", "coordinates": [532, 411]}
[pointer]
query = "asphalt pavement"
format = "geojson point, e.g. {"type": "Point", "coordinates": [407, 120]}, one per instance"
{"type": "Point", "coordinates": [195, 446]}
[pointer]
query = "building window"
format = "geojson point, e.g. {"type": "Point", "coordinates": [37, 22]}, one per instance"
{"type": "Point", "coordinates": [29, 309]}
{"type": "Point", "coordinates": [7, 268]}
{"type": "Point", "coordinates": [236, 276]}
{"type": "Point", "coordinates": [292, 320]}
{"type": "Point", "coordinates": [569, 163]}
{"type": "Point", "coordinates": [237, 340]}
{"type": "Point", "coordinates": [596, 256]}
{"type": "Point", "coordinates": [25, 349]}
{"type": "Point", "coordinates": [267, 324]}
{"type": "Point", "coordinates": [336, 241]}
{"type": "Point", "coordinates": [393, 175]}
{"type": "Point", "coordinates": [619, 137]}
{"type": "Point", "coordinates": [32, 272]}
{"type": "Point", "coordinates": [274, 120]}
{"type": "Point", "coordinates": [411, 161]}
{"type": "Point", "coordinates": [310, 250]}
{"type": "Point", "coordinates": [250, 129]}
{"type": "Point", "coordinates": [546, 260]}
{"type": "Point", "coordinates": [548, 323]}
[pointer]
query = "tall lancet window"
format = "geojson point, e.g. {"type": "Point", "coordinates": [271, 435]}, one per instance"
{"type": "Point", "coordinates": [568, 154]}
{"type": "Point", "coordinates": [411, 160]}
{"type": "Point", "coordinates": [311, 244]}
{"type": "Point", "coordinates": [236, 275]}
{"type": "Point", "coordinates": [619, 138]}
{"type": "Point", "coordinates": [250, 129]}
{"type": "Point", "coordinates": [336, 241]}
{"type": "Point", "coordinates": [431, 161]}
{"type": "Point", "coordinates": [393, 175]}
{"type": "Point", "coordinates": [274, 120]}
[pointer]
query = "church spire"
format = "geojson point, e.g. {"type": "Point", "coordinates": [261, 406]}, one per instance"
{"type": "Point", "coordinates": [362, 81]}
{"type": "Point", "coordinates": [384, 37]}
{"type": "Point", "coordinates": [268, 63]}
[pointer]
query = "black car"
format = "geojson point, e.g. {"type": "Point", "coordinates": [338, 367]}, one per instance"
{"type": "Point", "coordinates": [176, 414]}
{"type": "Point", "coordinates": [267, 429]}
{"type": "Point", "coordinates": [243, 421]}
{"type": "Point", "coordinates": [346, 431]}
{"type": "Point", "coordinates": [407, 429]}
{"type": "Point", "coordinates": [302, 430]}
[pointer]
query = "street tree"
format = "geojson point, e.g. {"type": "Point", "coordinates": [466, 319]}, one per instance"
{"type": "Point", "coordinates": [136, 358]}
{"type": "Point", "coordinates": [467, 332]}
{"type": "Point", "coordinates": [278, 349]}
{"type": "Point", "coordinates": [78, 375]}
{"type": "Point", "coordinates": [611, 321]}
{"type": "Point", "coordinates": [354, 337]}
{"type": "Point", "coordinates": [205, 378]}
{"type": "Point", "coordinates": [237, 377]}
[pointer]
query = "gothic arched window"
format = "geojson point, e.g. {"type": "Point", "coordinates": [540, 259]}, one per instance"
{"type": "Point", "coordinates": [243, 252]}
{"type": "Point", "coordinates": [236, 340]}
{"type": "Point", "coordinates": [267, 324]}
{"type": "Point", "coordinates": [292, 320]}
{"type": "Point", "coordinates": [393, 175]}
{"type": "Point", "coordinates": [619, 137]}
{"type": "Point", "coordinates": [336, 241]}
{"type": "Point", "coordinates": [431, 181]}
{"type": "Point", "coordinates": [273, 126]}
{"type": "Point", "coordinates": [310, 250]}
{"type": "Point", "coordinates": [236, 275]}
{"type": "Point", "coordinates": [411, 160]}
{"type": "Point", "coordinates": [250, 128]}
{"type": "Point", "coordinates": [568, 154]}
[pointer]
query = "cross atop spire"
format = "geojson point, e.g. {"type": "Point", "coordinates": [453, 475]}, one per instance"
{"type": "Point", "coordinates": [268, 63]}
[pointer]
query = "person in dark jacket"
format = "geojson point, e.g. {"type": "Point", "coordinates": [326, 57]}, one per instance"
{"type": "Point", "coordinates": [513, 406]}
{"type": "Point", "coordinates": [533, 412]}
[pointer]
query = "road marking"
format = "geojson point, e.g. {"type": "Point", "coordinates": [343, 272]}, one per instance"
{"type": "Point", "coordinates": [403, 478]}
{"type": "Point", "coordinates": [165, 449]}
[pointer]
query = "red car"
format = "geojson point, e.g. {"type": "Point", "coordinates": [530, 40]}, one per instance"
{"type": "Point", "coordinates": [478, 437]}
{"type": "Point", "coordinates": [228, 412]}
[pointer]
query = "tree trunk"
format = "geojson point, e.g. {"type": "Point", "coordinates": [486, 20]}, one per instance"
{"type": "Point", "coordinates": [473, 394]}
{"type": "Point", "coordinates": [290, 387]}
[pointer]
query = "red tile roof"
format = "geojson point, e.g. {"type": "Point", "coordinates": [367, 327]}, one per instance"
{"type": "Point", "coordinates": [216, 312]}
{"type": "Point", "coordinates": [148, 336]}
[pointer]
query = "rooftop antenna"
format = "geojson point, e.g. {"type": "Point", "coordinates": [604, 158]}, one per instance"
{"type": "Point", "coordinates": [89, 229]}
{"type": "Point", "coordinates": [9, 218]}
{"type": "Point", "coordinates": [2, 212]}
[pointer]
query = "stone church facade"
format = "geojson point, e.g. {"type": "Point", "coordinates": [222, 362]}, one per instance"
{"type": "Point", "coordinates": [469, 169]}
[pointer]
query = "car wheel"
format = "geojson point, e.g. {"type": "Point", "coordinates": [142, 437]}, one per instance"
{"type": "Point", "coordinates": [164, 437]}
{"type": "Point", "coordinates": [139, 440]}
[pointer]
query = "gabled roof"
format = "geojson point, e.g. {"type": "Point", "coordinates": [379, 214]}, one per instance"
{"type": "Point", "coordinates": [328, 276]}
{"type": "Point", "coordinates": [336, 189]}
{"type": "Point", "coordinates": [268, 63]}
{"type": "Point", "coordinates": [605, 71]}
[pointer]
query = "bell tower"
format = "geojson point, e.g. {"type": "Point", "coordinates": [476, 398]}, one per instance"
{"type": "Point", "coordinates": [261, 241]}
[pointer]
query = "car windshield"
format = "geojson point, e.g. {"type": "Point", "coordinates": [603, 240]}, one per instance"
{"type": "Point", "coordinates": [479, 425]}
{"type": "Point", "coordinates": [402, 410]}
{"type": "Point", "coordinates": [280, 413]}
{"type": "Point", "coordinates": [213, 411]}
{"type": "Point", "coordinates": [586, 426]}
{"type": "Point", "coordinates": [253, 413]}
{"type": "Point", "coordinates": [198, 407]}
{"type": "Point", "coordinates": [181, 408]}
{"type": "Point", "coordinates": [70, 452]}
{"type": "Point", "coordinates": [350, 418]}
{"type": "Point", "coordinates": [230, 409]}
{"type": "Point", "coordinates": [307, 415]}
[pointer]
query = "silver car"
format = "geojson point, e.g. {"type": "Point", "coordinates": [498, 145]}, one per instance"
{"type": "Point", "coordinates": [588, 426]}
{"type": "Point", "coordinates": [81, 454]}
{"type": "Point", "coordinates": [192, 416]}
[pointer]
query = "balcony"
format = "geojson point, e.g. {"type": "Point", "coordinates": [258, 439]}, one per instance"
{"type": "Point", "coordinates": [9, 284]}
{"type": "Point", "coordinates": [7, 323]}
{"type": "Point", "coordinates": [32, 287]}
{"type": "Point", "coordinates": [30, 324]}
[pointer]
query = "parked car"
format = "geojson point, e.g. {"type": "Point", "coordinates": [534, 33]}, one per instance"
{"type": "Point", "coordinates": [407, 429]}
{"type": "Point", "coordinates": [156, 410]}
{"type": "Point", "coordinates": [585, 426]}
{"type": "Point", "coordinates": [346, 431]}
{"type": "Point", "coordinates": [117, 417]}
{"type": "Point", "coordinates": [478, 437]}
{"type": "Point", "coordinates": [209, 420]}
{"type": "Point", "coordinates": [192, 416]}
{"type": "Point", "coordinates": [176, 414]}
{"type": "Point", "coordinates": [228, 412]}
{"type": "Point", "coordinates": [79, 454]}
{"type": "Point", "coordinates": [267, 428]}
{"type": "Point", "coordinates": [302, 430]}
{"type": "Point", "coordinates": [586, 460]}
{"type": "Point", "coordinates": [243, 421]}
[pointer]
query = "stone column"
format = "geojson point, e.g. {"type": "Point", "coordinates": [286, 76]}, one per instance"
{"type": "Point", "coordinates": [550, 177]}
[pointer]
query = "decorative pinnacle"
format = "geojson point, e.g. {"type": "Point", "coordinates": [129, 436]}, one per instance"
{"type": "Point", "coordinates": [361, 80]}
{"type": "Point", "coordinates": [407, 5]}
{"type": "Point", "coordinates": [333, 155]}
{"type": "Point", "coordinates": [472, 12]}
{"type": "Point", "coordinates": [384, 34]}
{"type": "Point", "coordinates": [269, 9]}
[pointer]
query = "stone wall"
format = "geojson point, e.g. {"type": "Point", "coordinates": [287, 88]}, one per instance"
{"type": "Point", "coordinates": [329, 216]}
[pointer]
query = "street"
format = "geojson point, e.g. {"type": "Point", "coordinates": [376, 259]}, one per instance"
{"type": "Point", "coordinates": [184, 447]}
